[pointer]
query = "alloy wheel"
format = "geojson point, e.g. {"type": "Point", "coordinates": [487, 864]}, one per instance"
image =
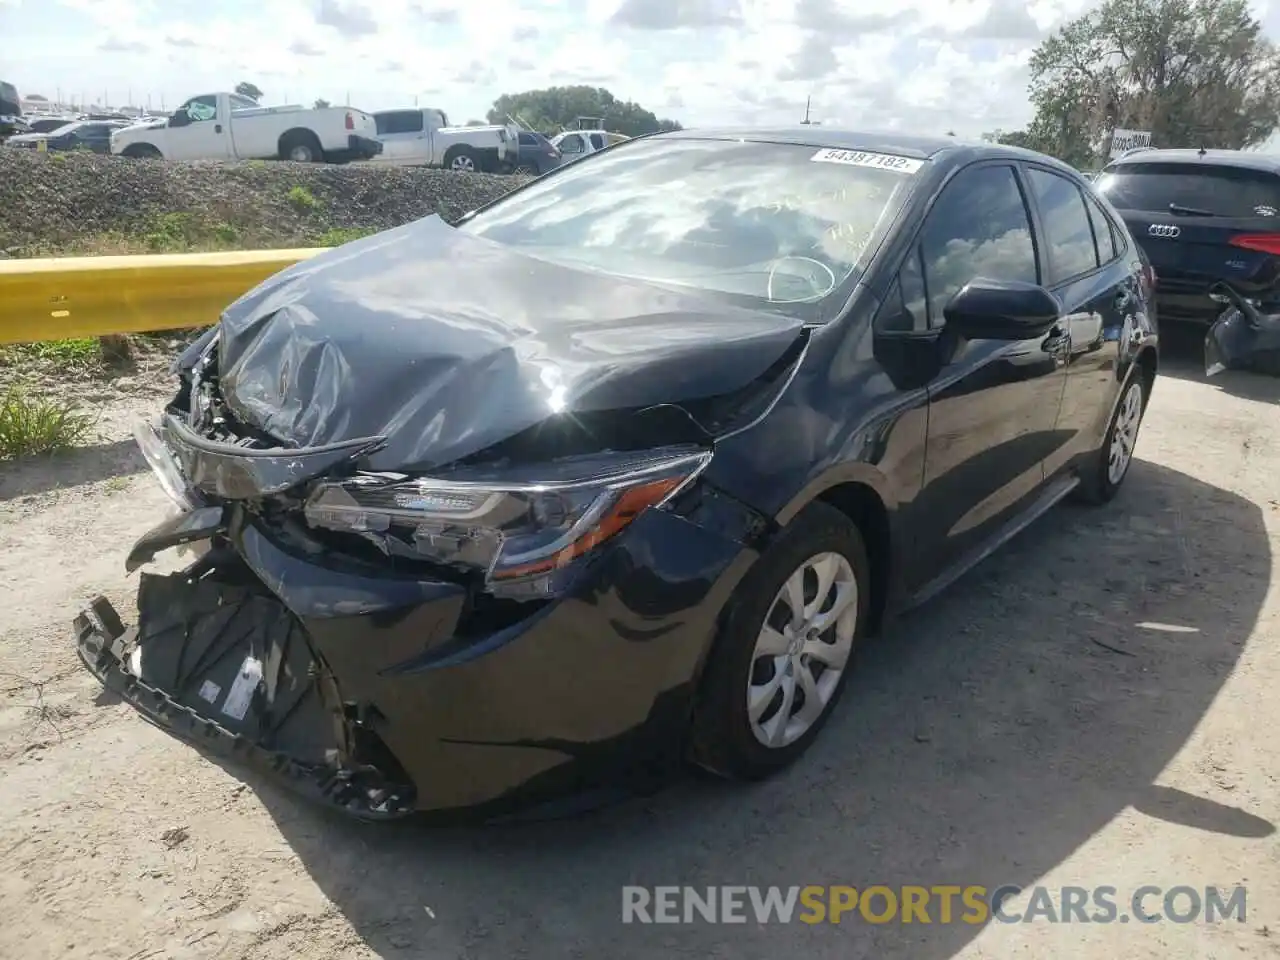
{"type": "Point", "coordinates": [1124, 436]}
{"type": "Point", "coordinates": [463, 163]}
{"type": "Point", "coordinates": [802, 649]}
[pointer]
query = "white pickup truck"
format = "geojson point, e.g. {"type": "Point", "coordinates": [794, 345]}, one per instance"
{"type": "Point", "coordinates": [423, 138]}
{"type": "Point", "coordinates": [227, 126]}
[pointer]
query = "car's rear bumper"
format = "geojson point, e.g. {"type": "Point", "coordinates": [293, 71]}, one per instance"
{"type": "Point", "coordinates": [382, 694]}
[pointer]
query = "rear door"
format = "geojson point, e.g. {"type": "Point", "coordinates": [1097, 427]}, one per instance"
{"type": "Point", "coordinates": [404, 138]}
{"type": "Point", "coordinates": [96, 136]}
{"type": "Point", "coordinates": [1224, 224]}
{"type": "Point", "coordinates": [1087, 272]}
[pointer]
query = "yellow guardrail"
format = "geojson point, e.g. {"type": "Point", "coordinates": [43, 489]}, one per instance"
{"type": "Point", "coordinates": [64, 297]}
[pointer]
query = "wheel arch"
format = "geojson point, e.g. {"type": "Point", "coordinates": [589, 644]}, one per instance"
{"type": "Point", "coordinates": [299, 134]}
{"type": "Point", "coordinates": [141, 148]}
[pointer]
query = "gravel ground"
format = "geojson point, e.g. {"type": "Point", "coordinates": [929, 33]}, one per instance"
{"type": "Point", "coordinates": [1093, 705]}
{"type": "Point", "coordinates": [56, 202]}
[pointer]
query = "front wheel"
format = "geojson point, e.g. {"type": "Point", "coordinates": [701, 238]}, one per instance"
{"type": "Point", "coordinates": [785, 651]}
{"type": "Point", "coordinates": [1110, 464]}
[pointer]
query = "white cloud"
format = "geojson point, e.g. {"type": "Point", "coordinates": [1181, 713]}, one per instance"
{"type": "Point", "coordinates": [930, 65]}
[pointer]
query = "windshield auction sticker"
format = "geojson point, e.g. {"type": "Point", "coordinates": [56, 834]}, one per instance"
{"type": "Point", "coordinates": [860, 158]}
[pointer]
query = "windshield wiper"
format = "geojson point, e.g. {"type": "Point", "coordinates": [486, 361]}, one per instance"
{"type": "Point", "coordinates": [1190, 211]}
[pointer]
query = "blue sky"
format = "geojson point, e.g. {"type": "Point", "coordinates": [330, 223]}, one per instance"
{"type": "Point", "coordinates": [929, 65]}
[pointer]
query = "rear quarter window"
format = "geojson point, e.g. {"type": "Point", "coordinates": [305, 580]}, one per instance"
{"type": "Point", "coordinates": [1222, 191]}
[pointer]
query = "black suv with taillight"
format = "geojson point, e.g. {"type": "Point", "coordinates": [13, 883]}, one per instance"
{"type": "Point", "coordinates": [1203, 217]}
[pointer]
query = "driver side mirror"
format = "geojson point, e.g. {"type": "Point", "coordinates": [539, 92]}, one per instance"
{"type": "Point", "coordinates": [1002, 310]}
{"type": "Point", "coordinates": [180, 118]}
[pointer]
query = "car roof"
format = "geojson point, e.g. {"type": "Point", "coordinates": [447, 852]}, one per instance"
{"type": "Point", "coordinates": [916, 146]}
{"type": "Point", "coordinates": [1269, 163]}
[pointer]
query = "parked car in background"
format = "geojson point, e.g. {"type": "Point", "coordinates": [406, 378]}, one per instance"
{"type": "Point", "coordinates": [537, 154]}
{"type": "Point", "coordinates": [11, 119]}
{"type": "Point", "coordinates": [48, 124]}
{"type": "Point", "coordinates": [422, 137]}
{"type": "Point", "coordinates": [576, 144]}
{"type": "Point", "coordinates": [227, 126]}
{"type": "Point", "coordinates": [1203, 217]}
{"type": "Point", "coordinates": [91, 135]}
{"type": "Point", "coordinates": [611, 475]}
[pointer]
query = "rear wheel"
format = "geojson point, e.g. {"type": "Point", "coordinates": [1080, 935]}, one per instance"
{"type": "Point", "coordinates": [785, 650]}
{"type": "Point", "coordinates": [1110, 465]}
{"type": "Point", "coordinates": [301, 147]}
{"type": "Point", "coordinates": [461, 159]}
{"type": "Point", "coordinates": [527, 169]}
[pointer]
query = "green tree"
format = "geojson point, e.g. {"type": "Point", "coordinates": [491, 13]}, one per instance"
{"type": "Point", "coordinates": [559, 107]}
{"type": "Point", "coordinates": [321, 103]}
{"type": "Point", "coordinates": [1193, 72]}
{"type": "Point", "coordinates": [1010, 138]}
{"type": "Point", "coordinates": [247, 89]}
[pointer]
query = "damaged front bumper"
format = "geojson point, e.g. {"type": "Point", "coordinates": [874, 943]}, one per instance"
{"type": "Point", "coordinates": [1246, 336]}
{"type": "Point", "coordinates": [383, 694]}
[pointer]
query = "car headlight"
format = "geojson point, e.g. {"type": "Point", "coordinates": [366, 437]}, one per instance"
{"type": "Point", "coordinates": [519, 533]}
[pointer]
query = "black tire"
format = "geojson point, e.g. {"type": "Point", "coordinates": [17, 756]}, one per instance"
{"type": "Point", "coordinates": [722, 740]}
{"type": "Point", "coordinates": [301, 146]}
{"type": "Point", "coordinates": [141, 151]}
{"type": "Point", "coordinates": [1097, 485]}
{"type": "Point", "coordinates": [461, 159]}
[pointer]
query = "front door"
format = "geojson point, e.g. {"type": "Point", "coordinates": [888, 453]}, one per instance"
{"type": "Point", "coordinates": [204, 138]}
{"type": "Point", "coordinates": [993, 404]}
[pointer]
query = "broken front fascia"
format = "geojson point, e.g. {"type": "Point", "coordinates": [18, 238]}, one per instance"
{"type": "Point", "coordinates": [520, 518]}
{"type": "Point", "coordinates": [1243, 338]}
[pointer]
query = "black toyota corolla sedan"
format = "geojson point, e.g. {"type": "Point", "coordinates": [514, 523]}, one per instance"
{"type": "Point", "coordinates": [516, 515]}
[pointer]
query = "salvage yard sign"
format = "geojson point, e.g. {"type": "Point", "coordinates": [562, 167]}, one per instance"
{"type": "Point", "coordinates": [1123, 141]}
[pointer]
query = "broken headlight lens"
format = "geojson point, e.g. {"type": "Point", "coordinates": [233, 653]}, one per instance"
{"type": "Point", "coordinates": [514, 530]}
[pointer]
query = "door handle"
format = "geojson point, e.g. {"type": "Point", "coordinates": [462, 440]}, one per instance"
{"type": "Point", "coordinates": [217, 128]}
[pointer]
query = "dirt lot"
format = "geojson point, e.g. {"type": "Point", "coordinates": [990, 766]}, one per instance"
{"type": "Point", "coordinates": [1095, 705]}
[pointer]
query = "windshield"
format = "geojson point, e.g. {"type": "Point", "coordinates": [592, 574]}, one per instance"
{"type": "Point", "coordinates": [65, 129]}
{"type": "Point", "coordinates": [1208, 191]}
{"type": "Point", "coordinates": [760, 222]}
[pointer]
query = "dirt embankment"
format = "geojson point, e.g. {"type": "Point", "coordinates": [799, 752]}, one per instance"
{"type": "Point", "coordinates": [69, 203]}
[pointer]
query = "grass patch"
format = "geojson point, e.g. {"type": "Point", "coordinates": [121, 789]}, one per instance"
{"type": "Point", "coordinates": [189, 232]}
{"type": "Point", "coordinates": [78, 352]}
{"type": "Point", "coordinates": [337, 236]}
{"type": "Point", "coordinates": [34, 425]}
{"type": "Point", "coordinates": [302, 199]}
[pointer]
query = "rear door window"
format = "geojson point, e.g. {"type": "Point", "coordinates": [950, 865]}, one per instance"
{"type": "Point", "coordinates": [1103, 231]}
{"type": "Point", "coordinates": [597, 141]}
{"type": "Point", "coordinates": [1218, 191]}
{"type": "Point", "coordinates": [398, 121]}
{"type": "Point", "coordinates": [1067, 234]}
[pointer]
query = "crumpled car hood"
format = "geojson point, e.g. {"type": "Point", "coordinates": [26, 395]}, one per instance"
{"type": "Point", "coordinates": [445, 344]}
